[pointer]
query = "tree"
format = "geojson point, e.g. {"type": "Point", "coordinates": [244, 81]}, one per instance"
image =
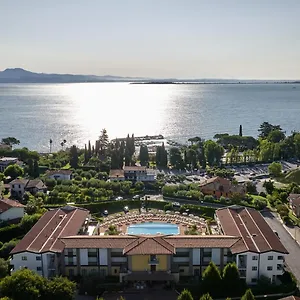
{"type": "Point", "coordinates": [26, 284]}
{"type": "Point", "coordinates": [4, 265]}
{"type": "Point", "coordinates": [36, 169]}
{"type": "Point", "coordinates": [89, 150]}
{"type": "Point", "coordinates": [275, 169]}
{"type": "Point", "coordinates": [275, 136]}
{"type": "Point", "coordinates": [50, 145]}
{"type": "Point", "coordinates": [213, 152]}
{"type": "Point", "coordinates": [60, 288]}
{"type": "Point", "coordinates": [211, 278]}
{"type": "Point", "coordinates": [23, 284]}
{"type": "Point", "coordinates": [13, 171]}
{"type": "Point", "coordinates": [176, 159]}
{"type": "Point", "coordinates": [248, 295]}
{"type": "Point", "coordinates": [241, 131]}
{"type": "Point", "coordinates": [265, 128]}
{"type": "Point", "coordinates": [144, 155]}
{"type": "Point", "coordinates": [251, 187]}
{"type": "Point", "coordinates": [10, 141]}
{"type": "Point", "coordinates": [103, 142]}
{"type": "Point", "coordinates": [206, 297]}
{"type": "Point", "coordinates": [74, 157]}
{"type": "Point", "coordinates": [161, 156]}
{"type": "Point", "coordinates": [231, 280]}
{"type": "Point", "coordinates": [185, 295]}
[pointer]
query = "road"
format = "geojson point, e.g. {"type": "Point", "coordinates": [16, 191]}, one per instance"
{"type": "Point", "coordinates": [292, 259]}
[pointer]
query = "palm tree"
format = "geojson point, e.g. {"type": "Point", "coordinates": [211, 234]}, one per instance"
{"type": "Point", "coordinates": [50, 142]}
{"type": "Point", "coordinates": [63, 143]}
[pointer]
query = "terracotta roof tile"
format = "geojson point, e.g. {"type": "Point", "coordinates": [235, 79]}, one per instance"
{"type": "Point", "coordinates": [294, 198]}
{"type": "Point", "coordinates": [249, 224]}
{"type": "Point", "coordinates": [116, 173]}
{"type": "Point", "coordinates": [45, 235]}
{"type": "Point", "coordinates": [134, 168]}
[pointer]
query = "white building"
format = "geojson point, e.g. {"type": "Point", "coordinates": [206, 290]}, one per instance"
{"type": "Point", "coordinates": [41, 248]}
{"type": "Point", "coordinates": [139, 173]}
{"type": "Point", "coordinates": [10, 210]}
{"type": "Point", "coordinates": [260, 251]}
{"type": "Point", "coordinates": [6, 161]}
{"type": "Point", "coordinates": [60, 174]}
{"type": "Point", "coordinates": [19, 186]}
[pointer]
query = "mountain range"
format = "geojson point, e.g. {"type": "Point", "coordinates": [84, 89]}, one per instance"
{"type": "Point", "coordinates": [19, 75]}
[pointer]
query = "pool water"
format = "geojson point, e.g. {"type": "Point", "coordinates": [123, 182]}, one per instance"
{"type": "Point", "coordinates": [153, 228]}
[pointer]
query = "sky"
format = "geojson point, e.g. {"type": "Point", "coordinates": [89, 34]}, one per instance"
{"type": "Point", "coordinates": [245, 39]}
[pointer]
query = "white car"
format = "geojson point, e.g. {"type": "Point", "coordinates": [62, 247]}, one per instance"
{"type": "Point", "coordinates": [119, 198]}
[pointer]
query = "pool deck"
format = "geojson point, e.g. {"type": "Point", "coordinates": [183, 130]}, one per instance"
{"type": "Point", "coordinates": [183, 222]}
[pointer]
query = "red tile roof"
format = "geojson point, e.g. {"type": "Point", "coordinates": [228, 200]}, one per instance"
{"type": "Point", "coordinates": [45, 235]}
{"type": "Point", "coordinates": [6, 204]}
{"type": "Point", "coordinates": [134, 168]}
{"type": "Point", "coordinates": [249, 224]}
{"type": "Point", "coordinates": [116, 173]}
{"type": "Point", "coordinates": [150, 244]}
{"type": "Point", "coordinates": [290, 298]}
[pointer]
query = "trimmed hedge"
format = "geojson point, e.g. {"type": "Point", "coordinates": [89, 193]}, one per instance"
{"type": "Point", "coordinates": [11, 232]}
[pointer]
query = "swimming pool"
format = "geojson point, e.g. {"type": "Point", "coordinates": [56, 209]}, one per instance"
{"type": "Point", "coordinates": [153, 228]}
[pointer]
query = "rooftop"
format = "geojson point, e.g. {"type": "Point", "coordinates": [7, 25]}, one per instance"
{"type": "Point", "coordinates": [248, 223]}
{"type": "Point", "coordinates": [8, 159]}
{"type": "Point", "coordinates": [45, 235]}
{"type": "Point", "coordinates": [116, 173]}
{"type": "Point", "coordinates": [149, 244]}
{"type": "Point", "coordinates": [134, 168]}
{"type": "Point", "coordinates": [6, 204]}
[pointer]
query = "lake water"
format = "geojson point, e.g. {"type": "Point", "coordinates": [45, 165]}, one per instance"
{"type": "Point", "coordinates": [34, 113]}
{"type": "Point", "coordinates": [153, 228]}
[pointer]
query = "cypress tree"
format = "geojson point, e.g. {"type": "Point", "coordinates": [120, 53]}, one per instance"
{"type": "Point", "coordinates": [86, 158]}
{"type": "Point", "coordinates": [144, 155]}
{"type": "Point", "coordinates": [121, 154]}
{"type": "Point", "coordinates": [89, 150]}
{"type": "Point", "coordinates": [241, 131]}
{"type": "Point", "coordinates": [73, 157]}
{"type": "Point", "coordinates": [158, 156]}
{"type": "Point", "coordinates": [36, 169]}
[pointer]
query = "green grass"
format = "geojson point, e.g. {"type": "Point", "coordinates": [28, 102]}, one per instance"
{"type": "Point", "coordinates": [66, 167]}
{"type": "Point", "coordinates": [293, 218]}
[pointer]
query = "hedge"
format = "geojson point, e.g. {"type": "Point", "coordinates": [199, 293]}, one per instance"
{"type": "Point", "coordinates": [11, 232]}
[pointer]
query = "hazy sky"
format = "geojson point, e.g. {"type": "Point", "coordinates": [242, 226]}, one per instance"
{"type": "Point", "coordinates": [154, 38]}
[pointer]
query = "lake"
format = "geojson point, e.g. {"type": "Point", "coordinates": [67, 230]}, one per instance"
{"type": "Point", "coordinates": [77, 112]}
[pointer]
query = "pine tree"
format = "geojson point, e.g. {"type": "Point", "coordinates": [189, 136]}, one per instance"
{"type": "Point", "coordinates": [185, 295]}
{"type": "Point", "coordinates": [248, 295]}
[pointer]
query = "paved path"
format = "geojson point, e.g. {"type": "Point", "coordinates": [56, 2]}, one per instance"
{"type": "Point", "coordinates": [293, 258]}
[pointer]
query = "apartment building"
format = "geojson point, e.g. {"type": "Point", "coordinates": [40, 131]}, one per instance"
{"type": "Point", "coordinates": [41, 248]}
{"type": "Point", "coordinates": [153, 258]}
{"type": "Point", "coordinates": [138, 173]}
{"type": "Point", "coordinates": [259, 251]}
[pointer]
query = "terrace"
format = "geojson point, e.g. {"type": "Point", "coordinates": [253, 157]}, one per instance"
{"type": "Point", "coordinates": [183, 221]}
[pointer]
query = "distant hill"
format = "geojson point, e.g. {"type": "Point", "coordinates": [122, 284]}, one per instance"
{"type": "Point", "coordinates": [18, 75]}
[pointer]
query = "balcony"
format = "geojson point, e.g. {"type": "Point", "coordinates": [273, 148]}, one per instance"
{"type": "Point", "coordinates": [181, 259]}
{"type": "Point", "coordinates": [118, 259]}
{"type": "Point", "coordinates": [153, 261]}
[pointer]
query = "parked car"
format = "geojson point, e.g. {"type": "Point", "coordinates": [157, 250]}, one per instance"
{"type": "Point", "coordinates": [126, 209]}
{"type": "Point", "coordinates": [176, 204]}
{"type": "Point", "coordinates": [119, 198]}
{"type": "Point", "coordinates": [136, 197]}
{"type": "Point", "coordinates": [105, 213]}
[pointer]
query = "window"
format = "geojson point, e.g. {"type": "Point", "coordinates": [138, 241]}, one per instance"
{"type": "Point", "coordinates": [71, 272]}
{"type": "Point", "coordinates": [13, 186]}
{"type": "Point", "coordinates": [279, 267]}
{"type": "Point", "coordinates": [255, 257]}
{"type": "Point", "coordinates": [197, 272]}
{"type": "Point", "coordinates": [38, 258]}
{"type": "Point", "coordinates": [19, 186]}
{"type": "Point", "coordinates": [181, 270]}
{"type": "Point", "coordinates": [280, 257]}
{"type": "Point", "coordinates": [70, 261]}
{"type": "Point", "coordinates": [269, 268]}
{"type": "Point", "coordinates": [92, 253]}
{"type": "Point", "coordinates": [39, 268]}
{"type": "Point", "coordinates": [115, 271]}
{"type": "Point", "coordinates": [270, 257]}
{"type": "Point", "coordinates": [253, 280]}
{"type": "Point", "coordinates": [254, 268]}
{"type": "Point", "coordinates": [152, 257]}
{"type": "Point", "coordinates": [24, 257]}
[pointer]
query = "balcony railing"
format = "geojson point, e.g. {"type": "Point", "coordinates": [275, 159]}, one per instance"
{"type": "Point", "coordinates": [153, 261]}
